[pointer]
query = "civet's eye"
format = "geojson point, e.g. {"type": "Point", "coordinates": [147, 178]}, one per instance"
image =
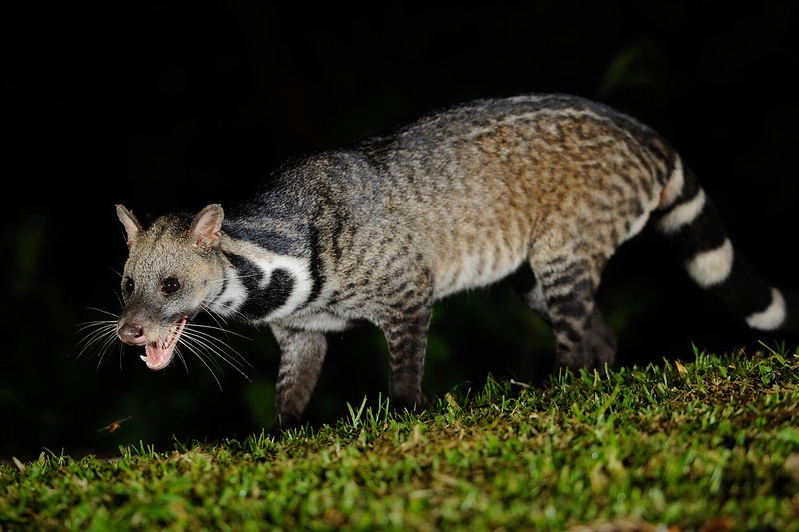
{"type": "Point", "coordinates": [170, 285]}
{"type": "Point", "coordinates": [129, 285]}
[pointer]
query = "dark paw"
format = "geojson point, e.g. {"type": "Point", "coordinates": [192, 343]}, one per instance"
{"type": "Point", "coordinates": [404, 407]}
{"type": "Point", "coordinates": [599, 344]}
{"type": "Point", "coordinates": [282, 424]}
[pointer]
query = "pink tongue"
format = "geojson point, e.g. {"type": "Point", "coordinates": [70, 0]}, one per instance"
{"type": "Point", "coordinates": [158, 355]}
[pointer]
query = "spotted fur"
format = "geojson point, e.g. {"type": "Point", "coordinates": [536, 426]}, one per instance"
{"type": "Point", "coordinates": [461, 198]}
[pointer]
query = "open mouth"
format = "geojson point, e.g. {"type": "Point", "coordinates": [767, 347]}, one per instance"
{"type": "Point", "coordinates": [158, 354]}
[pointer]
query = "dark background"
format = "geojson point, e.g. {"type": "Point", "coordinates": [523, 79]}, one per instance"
{"type": "Point", "coordinates": [165, 106]}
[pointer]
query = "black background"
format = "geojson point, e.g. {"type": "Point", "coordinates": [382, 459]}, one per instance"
{"type": "Point", "coordinates": [165, 106]}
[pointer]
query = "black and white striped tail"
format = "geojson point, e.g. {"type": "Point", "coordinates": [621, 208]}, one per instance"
{"type": "Point", "coordinates": [691, 222]}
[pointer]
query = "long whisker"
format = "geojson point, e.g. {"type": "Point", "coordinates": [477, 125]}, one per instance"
{"type": "Point", "coordinates": [202, 360]}
{"type": "Point", "coordinates": [183, 361]}
{"type": "Point", "coordinates": [212, 345]}
{"type": "Point", "coordinates": [106, 312]}
{"type": "Point", "coordinates": [209, 349]}
{"type": "Point", "coordinates": [98, 336]}
{"type": "Point", "coordinates": [227, 332]}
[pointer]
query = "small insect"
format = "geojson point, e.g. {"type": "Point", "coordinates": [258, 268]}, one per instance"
{"type": "Point", "coordinates": [114, 425]}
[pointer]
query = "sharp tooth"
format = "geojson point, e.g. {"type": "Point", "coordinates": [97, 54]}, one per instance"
{"type": "Point", "coordinates": [143, 358]}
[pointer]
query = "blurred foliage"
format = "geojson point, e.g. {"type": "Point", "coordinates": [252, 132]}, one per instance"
{"type": "Point", "coordinates": [163, 107]}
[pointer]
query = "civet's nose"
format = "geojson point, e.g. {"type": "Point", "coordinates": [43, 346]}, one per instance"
{"type": "Point", "coordinates": [132, 333]}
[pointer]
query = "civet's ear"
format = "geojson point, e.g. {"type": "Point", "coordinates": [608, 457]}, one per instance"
{"type": "Point", "coordinates": [131, 224]}
{"type": "Point", "coordinates": [206, 228]}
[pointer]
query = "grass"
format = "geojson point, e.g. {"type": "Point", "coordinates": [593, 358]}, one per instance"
{"type": "Point", "coordinates": [707, 445]}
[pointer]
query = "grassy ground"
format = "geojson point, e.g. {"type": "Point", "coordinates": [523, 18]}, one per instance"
{"type": "Point", "coordinates": [710, 445]}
